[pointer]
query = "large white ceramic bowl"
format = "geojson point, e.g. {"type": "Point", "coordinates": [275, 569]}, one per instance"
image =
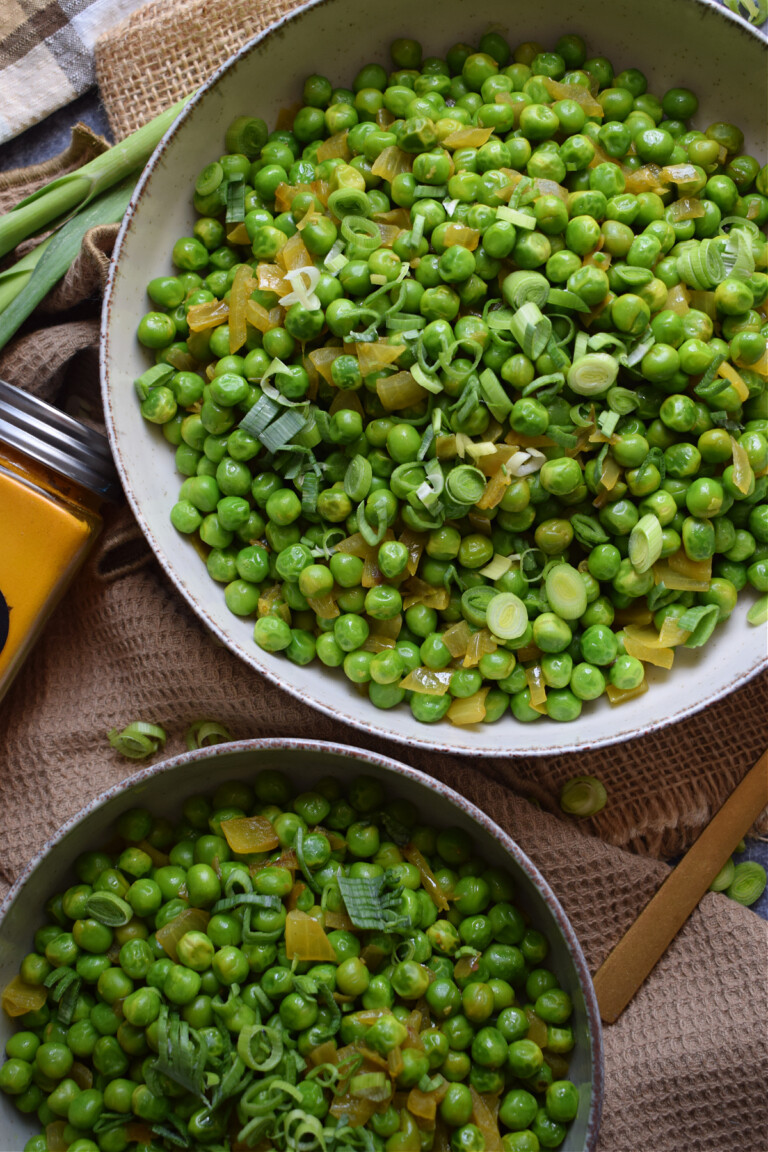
{"type": "Point", "coordinates": [690, 42]}
{"type": "Point", "coordinates": [163, 789]}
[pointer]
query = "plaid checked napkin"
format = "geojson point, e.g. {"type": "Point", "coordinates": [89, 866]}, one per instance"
{"type": "Point", "coordinates": [46, 54]}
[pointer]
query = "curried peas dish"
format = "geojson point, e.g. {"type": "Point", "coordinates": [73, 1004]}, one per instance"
{"type": "Point", "coordinates": [465, 369]}
{"type": "Point", "coordinates": [309, 973]}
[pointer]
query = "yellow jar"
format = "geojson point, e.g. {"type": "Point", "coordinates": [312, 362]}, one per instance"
{"type": "Point", "coordinates": [54, 474]}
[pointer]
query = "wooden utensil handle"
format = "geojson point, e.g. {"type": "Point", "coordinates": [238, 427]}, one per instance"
{"type": "Point", "coordinates": [646, 941]}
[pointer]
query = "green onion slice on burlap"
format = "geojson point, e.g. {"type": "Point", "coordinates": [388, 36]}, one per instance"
{"type": "Point", "coordinates": [583, 796]}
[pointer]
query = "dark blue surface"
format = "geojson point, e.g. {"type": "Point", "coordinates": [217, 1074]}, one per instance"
{"type": "Point", "coordinates": [52, 136]}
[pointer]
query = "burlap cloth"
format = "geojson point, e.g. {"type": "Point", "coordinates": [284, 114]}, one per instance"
{"type": "Point", "coordinates": [686, 1065]}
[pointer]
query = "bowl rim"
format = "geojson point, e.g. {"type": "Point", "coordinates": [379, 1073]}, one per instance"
{"type": "Point", "coordinates": [398, 768]}
{"type": "Point", "coordinates": [276, 676]}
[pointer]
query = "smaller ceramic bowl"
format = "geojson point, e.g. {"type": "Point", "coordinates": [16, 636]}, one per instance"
{"type": "Point", "coordinates": [164, 787]}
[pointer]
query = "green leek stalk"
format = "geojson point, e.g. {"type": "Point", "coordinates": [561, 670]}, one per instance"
{"type": "Point", "coordinates": [68, 194]}
{"type": "Point", "coordinates": [23, 286]}
{"type": "Point", "coordinates": [16, 278]}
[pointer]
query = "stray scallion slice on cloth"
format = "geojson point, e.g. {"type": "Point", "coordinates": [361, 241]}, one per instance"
{"type": "Point", "coordinates": [204, 733]}
{"type": "Point", "coordinates": [138, 740]}
{"type": "Point", "coordinates": [748, 883]}
{"type": "Point", "coordinates": [725, 876]}
{"type": "Point", "coordinates": [583, 796]}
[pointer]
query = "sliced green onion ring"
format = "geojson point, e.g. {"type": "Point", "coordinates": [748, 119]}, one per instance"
{"type": "Point", "coordinates": [580, 345]}
{"type": "Point", "coordinates": [204, 733]}
{"type": "Point", "coordinates": [520, 287]}
{"type": "Point", "coordinates": [507, 616]}
{"type": "Point", "coordinates": [310, 488]}
{"type": "Point", "coordinates": [602, 340]}
{"type": "Point", "coordinates": [259, 416]}
{"type": "Point", "coordinates": [372, 536]}
{"type": "Point", "coordinates": [281, 431]}
{"type": "Point", "coordinates": [566, 591]}
{"type": "Point", "coordinates": [758, 612]}
{"type": "Point", "coordinates": [138, 740]}
{"type": "Point", "coordinates": [260, 1048]}
{"type": "Point", "coordinates": [725, 876]}
{"type": "Point", "coordinates": [581, 415]}
{"type": "Point", "coordinates": [209, 179]}
{"type": "Point", "coordinates": [465, 484]}
{"type": "Point", "coordinates": [700, 622]}
{"type": "Point", "coordinates": [499, 403]}
{"type": "Point", "coordinates": [531, 329]}
{"type": "Point", "coordinates": [431, 383]}
{"type": "Point", "coordinates": [246, 134]}
{"type": "Point", "coordinates": [519, 219]}
{"type": "Point", "coordinates": [748, 883]}
{"type": "Point", "coordinates": [361, 232]}
{"type": "Point", "coordinates": [593, 374]}
{"type": "Point", "coordinates": [235, 201]}
{"type": "Point", "coordinates": [562, 298]}
{"type": "Point", "coordinates": [621, 400]}
{"type": "Point", "coordinates": [607, 422]}
{"type": "Point", "coordinates": [358, 478]}
{"type": "Point", "coordinates": [645, 543]}
{"type": "Point", "coordinates": [349, 202]}
{"type": "Point", "coordinates": [109, 909]}
{"type": "Point", "coordinates": [552, 380]}
{"type": "Point", "coordinates": [583, 796]}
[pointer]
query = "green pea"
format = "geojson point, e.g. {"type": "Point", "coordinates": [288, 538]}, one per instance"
{"type": "Point", "coordinates": [16, 1076]}
{"type": "Point", "coordinates": [548, 1131]}
{"type": "Point", "coordinates": [518, 1109]}
{"type": "Point", "coordinates": [525, 1058]}
{"type": "Point", "coordinates": [456, 1106]}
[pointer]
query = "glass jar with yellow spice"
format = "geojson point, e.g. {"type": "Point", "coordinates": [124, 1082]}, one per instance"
{"type": "Point", "coordinates": [54, 474]}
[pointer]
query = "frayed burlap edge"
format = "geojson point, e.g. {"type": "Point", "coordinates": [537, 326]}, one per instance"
{"type": "Point", "coordinates": [166, 50]}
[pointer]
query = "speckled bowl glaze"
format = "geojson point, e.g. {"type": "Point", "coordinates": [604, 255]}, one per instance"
{"type": "Point", "coordinates": [690, 42]}
{"type": "Point", "coordinates": [163, 788]}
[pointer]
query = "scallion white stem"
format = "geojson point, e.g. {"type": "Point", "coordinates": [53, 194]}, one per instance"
{"type": "Point", "coordinates": [17, 277]}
